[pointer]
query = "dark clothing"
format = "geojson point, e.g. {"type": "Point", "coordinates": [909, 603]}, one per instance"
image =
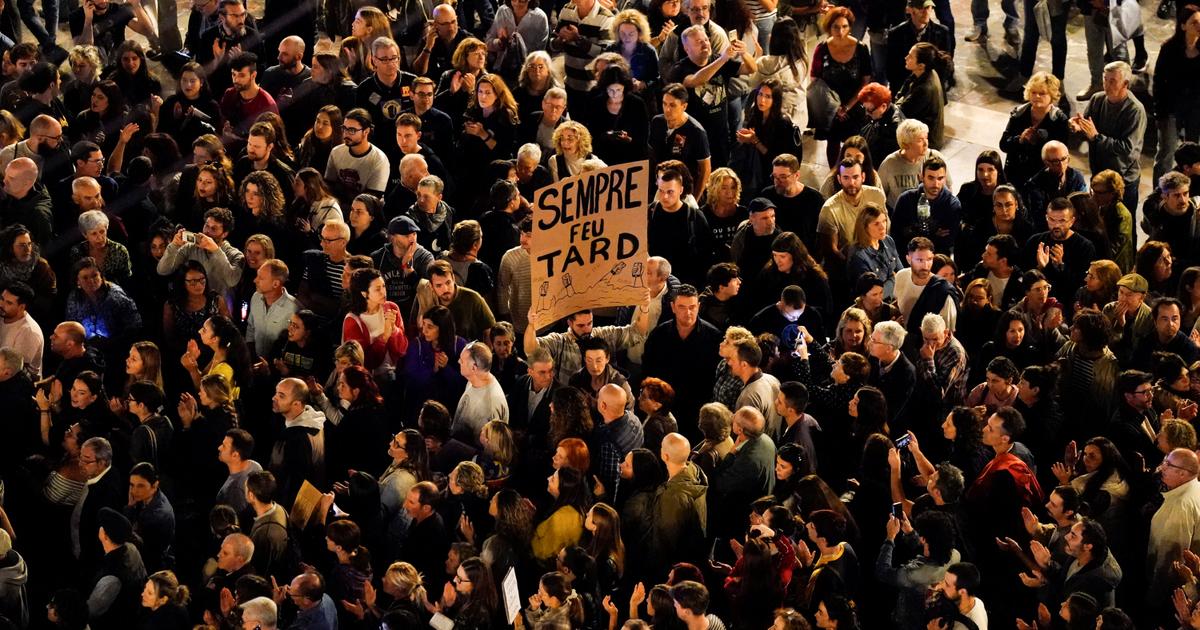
{"type": "Point", "coordinates": [922, 98]}
{"type": "Point", "coordinates": [1065, 278]}
{"type": "Point", "coordinates": [942, 227]}
{"type": "Point", "coordinates": [902, 37]}
{"type": "Point", "coordinates": [683, 238]}
{"type": "Point", "coordinates": [426, 548]}
{"type": "Point", "coordinates": [897, 384]}
{"type": "Point", "coordinates": [796, 214]}
{"type": "Point", "coordinates": [745, 475]}
{"type": "Point", "coordinates": [1045, 186]}
{"type": "Point", "coordinates": [1022, 160]}
{"type": "Point", "coordinates": [35, 211]}
{"type": "Point", "coordinates": [689, 365]}
{"type": "Point", "coordinates": [689, 143]}
{"type": "Point", "coordinates": [110, 491]}
{"type": "Point", "coordinates": [154, 522]}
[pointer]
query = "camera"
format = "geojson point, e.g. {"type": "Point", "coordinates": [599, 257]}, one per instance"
{"type": "Point", "coordinates": [189, 237]}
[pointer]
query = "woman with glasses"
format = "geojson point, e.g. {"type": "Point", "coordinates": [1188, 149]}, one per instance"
{"type": "Point", "coordinates": [470, 598]}
{"type": "Point", "coordinates": [191, 303]}
{"type": "Point", "coordinates": [535, 79]}
{"type": "Point", "coordinates": [1006, 217]}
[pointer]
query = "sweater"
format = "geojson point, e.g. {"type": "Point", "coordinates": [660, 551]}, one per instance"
{"type": "Point", "coordinates": [1120, 130]}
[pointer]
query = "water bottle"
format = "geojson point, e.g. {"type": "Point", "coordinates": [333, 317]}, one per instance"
{"type": "Point", "coordinates": [923, 213]}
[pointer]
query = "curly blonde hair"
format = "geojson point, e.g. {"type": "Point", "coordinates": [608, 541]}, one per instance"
{"type": "Point", "coordinates": [637, 19]}
{"type": "Point", "coordinates": [585, 137]}
{"type": "Point", "coordinates": [718, 177]}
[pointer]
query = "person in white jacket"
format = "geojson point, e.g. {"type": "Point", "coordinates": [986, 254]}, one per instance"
{"type": "Point", "coordinates": [1175, 526]}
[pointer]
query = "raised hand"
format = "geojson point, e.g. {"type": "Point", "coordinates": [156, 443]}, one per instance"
{"type": "Point", "coordinates": [1031, 523]}
{"type": "Point", "coordinates": [1041, 554]}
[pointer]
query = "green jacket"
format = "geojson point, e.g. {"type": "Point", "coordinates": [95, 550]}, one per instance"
{"type": "Point", "coordinates": [680, 517]}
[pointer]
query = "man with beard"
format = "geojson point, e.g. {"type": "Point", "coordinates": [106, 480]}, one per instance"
{"type": "Point", "coordinates": [260, 156]}
{"type": "Point", "coordinates": [44, 146]}
{"type": "Point", "coordinates": [564, 346]}
{"type": "Point", "coordinates": [797, 207]}
{"type": "Point", "coordinates": [102, 23]}
{"type": "Point", "coordinates": [299, 452]}
{"type": "Point", "coordinates": [919, 292]}
{"type": "Point", "coordinates": [403, 263]}
{"type": "Point", "coordinates": [1061, 253]}
{"type": "Point", "coordinates": [18, 330]}
{"type": "Point", "coordinates": [244, 101]}
{"type": "Point", "coordinates": [751, 247]}
{"type": "Point", "coordinates": [282, 81]}
{"type": "Point", "coordinates": [683, 353]}
{"type": "Point", "coordinates": [357, 166]}
{"type": "Point", "coordinates": [229, 39]}
{"type": "Point", "coordinates": [996, 266]}
{"type": "Point", "coordinates": [387, 93]}
{"type": "Point", "coordinates": [942, 224]}
{"type": "Point", "coordinates": [1167, 337]}
{"type": "Point", "coordinates": [25, 203]}
{"type": "Point", "coordinates": [835, 223]}
{"type": "Point", "coordinates": [473, 318]}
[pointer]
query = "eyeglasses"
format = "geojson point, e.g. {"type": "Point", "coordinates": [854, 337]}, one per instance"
{"type": "Point", "coordinates": [1061, 160]}
{"type": "Point", "coordinates": [1142, 392]}
{"type": "Point", "coordinates": [458, 579]}
{"type": "Point", "coordinates": [194, 280]}
{"type": "Point", "coordinates": [351, 130]}
{"type": "Point", "coordinates": [450, 23]}
{"type": "Point", "coordinates": [392, 59]}
{"type": "Point", "coordinates": [1168, 464]}
{"type": "Point", "coordinates": [54, 138]}
{"type": "Point", "coordinates": [332, 240]}
{"type": "Point", "coordinates": [99, 160]}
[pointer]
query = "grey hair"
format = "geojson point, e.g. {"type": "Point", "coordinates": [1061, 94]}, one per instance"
{"type": "Point", "coordinates": [1054, 144]}
{"type": "Point", "coordinates": [92, 220]}
{"type": "Point", "coordinates": [907, 131]}
{"type": "Point", "coordinates": [715, 421]}
{"type": "Point", "coordinates": [692, 30]}
{"type": "Point", "coordinates": [555, 92]}
{"type": "Point", "coordinates": [434, 182]}
{"type": "Point", "coordinates": [342, 227]}
{"type": "Point", "coordinates": [540, 355]}
{"type": "Point", "coordinates": [891, 333]}
{"type": "Point", "coordinates": [407, 161]}
{"type": "Point", "coordinates": [1122, 68]}
{"type": "Point", "coordinates": [242, 545]}
{"type": "Point", "coordinates": [1174, 180]}
{"type": "Point", "coordinates": [530, 150]}
{"type": "Point", "coordinates": [933, 324]}
{"type": "Point", "coordinates": [664, 265]}
{"type": "Point", "coordinates": [101, 448]}
{"type": "Point", "coordinates": [383, 42]}
{"type": "Point", "coordinates": [12, 360]}
{"type": "Point", "coordinates": [261, 610]}
{"type": "Point", "coordinates": [751, 420]}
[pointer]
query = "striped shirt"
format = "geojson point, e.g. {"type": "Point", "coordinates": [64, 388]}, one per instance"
{"type": "Point", "coordinates": [594, 33]}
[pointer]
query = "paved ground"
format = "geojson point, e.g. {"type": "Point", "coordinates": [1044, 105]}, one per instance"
{"type": "Point", "coordinates": [977, 111]}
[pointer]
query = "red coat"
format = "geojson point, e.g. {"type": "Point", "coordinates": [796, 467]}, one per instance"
{"type": "Point", "coordinates": [376, 350]}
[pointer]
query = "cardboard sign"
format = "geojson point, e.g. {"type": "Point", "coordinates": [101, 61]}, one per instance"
{"type": "Point", "coordinates": [589, 242]}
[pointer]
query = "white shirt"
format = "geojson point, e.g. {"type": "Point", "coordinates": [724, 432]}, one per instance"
{"type": "Point", "coordinates": [907, 294]}
{"type": "Point", "coordinates": [25, 336]}
{"type": "Point", "coordinates": [998, 285]}
{"type": "Point", "coordinates": [978, 614]}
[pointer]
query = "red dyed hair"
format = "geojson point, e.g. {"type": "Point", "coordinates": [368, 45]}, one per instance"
{"type": "Point", "coordinates": [577, 453]}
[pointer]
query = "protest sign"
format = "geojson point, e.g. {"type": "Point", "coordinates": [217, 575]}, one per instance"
{"type": "Point", "coordinates": [589, 242]}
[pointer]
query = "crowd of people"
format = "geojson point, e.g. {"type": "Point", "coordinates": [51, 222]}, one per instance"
{"type": "Point", "coordinates": [268, 360]}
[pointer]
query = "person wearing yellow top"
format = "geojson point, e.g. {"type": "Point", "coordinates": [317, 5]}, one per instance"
{"type": "Point", "coordinates": [564, 526]}
{"type": "Point", "coordinates": [230, 356]}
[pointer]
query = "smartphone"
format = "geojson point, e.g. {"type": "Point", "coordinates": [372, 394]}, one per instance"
{"type": "Point", "coordinates": [898, 510]}
{"type": "Point", "coordinates": [903, 441]}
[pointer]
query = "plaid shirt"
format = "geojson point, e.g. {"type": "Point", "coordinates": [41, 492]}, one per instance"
{"type": "Point", "coordinates": [726, 386]}
{"type": "Point", "coordinates": [946, 372]}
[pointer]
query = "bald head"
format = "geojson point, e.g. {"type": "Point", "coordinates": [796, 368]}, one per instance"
{"type": "Point", "coordinates": [1179, 467]}
{"type": "Point", "coordinates": [291, 52]}
{"type": "Point", "coordinates": [676, 449]}
{"type": "Point", "coordinates": [20, 177]}
{"type": "Point", "coordinates": [750, 422]}
{"type": "Point", "coordinates": [310, 587]}
{"type": "Point", "coordinates": [443, 11]}
{"type": "Point", "coordinates": [45, 125]}
{"type": "Point", "coordinates": [612, 402]}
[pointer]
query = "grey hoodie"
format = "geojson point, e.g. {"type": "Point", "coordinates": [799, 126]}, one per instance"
{"type": "Point", "coordinates": [14, 602]}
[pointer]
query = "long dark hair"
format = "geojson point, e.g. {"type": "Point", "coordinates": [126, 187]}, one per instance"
{"type": "Point", "coordinates": [754, 117]}
{"type": "Point", "coordinates": [968, 428]}
{"type": "Point", "coordinates": [872, 411]}
{"type": "Point", "coordinates": [1113, 462]}
{"type": "Point", "coordinates": [179, 296]}
{"type": "Point", "coordinates": [440, 316]}
{"type": "Point", "coordinates": [648, 474]}
{"type": "Point", "coordinates": [360, 283]}
{"type": "Point", "coordinates": [116, 98]}
{"type": "Point", "coordinates": [802, 261]}
{"type": "Point", "coordinates": [514, 518]}
{"type": "Point", "coordinates": [8, 237]}
{"type": "Point", "coordinates": [787, 41]}
{"type": "Point", "coordinates": [571, 416]}
{"type": "Point", "coordinates": [357, 377]}
{"type": "Point", "coordinates": [573, 490]}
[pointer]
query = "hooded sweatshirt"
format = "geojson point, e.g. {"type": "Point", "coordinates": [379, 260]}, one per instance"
{"type": "Point", "coordinates": [14, 602]}
{"type": "Point", "coordinates": [299, 454]}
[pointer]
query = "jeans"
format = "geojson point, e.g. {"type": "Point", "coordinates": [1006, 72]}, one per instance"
{"type": "Point", "coordinates": [980, 12]}
{"type": "Point", "coordinates": [1058, 42]}
{"type": "Point", "coordinates": [764, 26]}
{"type": "Point", "coordinates": [945, 17]}
{"type": "Point", "coordinates": [43, 31]}
{"type": "Point", "coordinates": [1181, 125]}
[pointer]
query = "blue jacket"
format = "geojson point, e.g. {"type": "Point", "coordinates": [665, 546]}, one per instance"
{"type": "Point", "coordinates": [945, 216]}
